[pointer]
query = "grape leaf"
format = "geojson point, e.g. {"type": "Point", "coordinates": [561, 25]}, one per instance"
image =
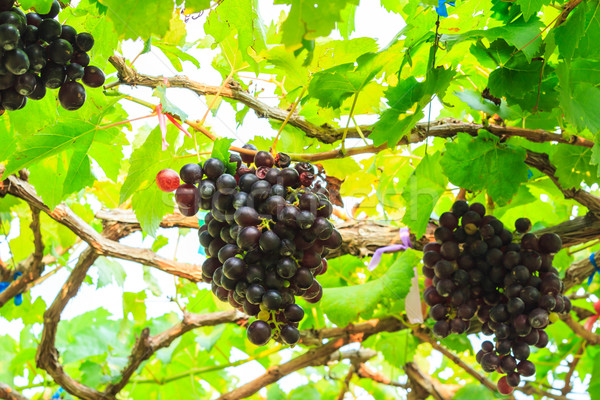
{"type": "Point", "coordinates": [393, 284]}
{"type": "Point", "coordinates": [194, 6]}
{"type": "Point", "coordinates": [573, 165]}
{"type": "Point", "coordinates": [139, 19]}
{"type": "Point", "coordinates": [579, 101]}
{"type": "Point", "coordinates": [310, 19]}
{"type": "Point", "coordinates": [109, 272]}
{"type": "Point", "coordinates": [168, 106]}
{"type": "Point", "coordinates": [150, 205]}
{"type": "Point", "coordinates": [8, 140]}
{"type": "Point", "coordinates": [332, 86]}
{"type": "Point", "coordinates": [568, 34]}
{"type": "Point", "coordinates": [221, 151]}
{"type": "Point", "coordinates": [422, 192]}
{"type": "Point", "coordinates": [244, 17]}
{"type": "Point", "coordinates": [40, 6]}
{"type": "Point", "coordinates": [481, 162]}
{"type": "Point", "coordinates": [531, 7]}
{"type": "Point", "coordinates": [396, 122]}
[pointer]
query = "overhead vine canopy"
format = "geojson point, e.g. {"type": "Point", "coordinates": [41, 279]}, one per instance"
{"type": "Point", "coordinates": [492, 101]}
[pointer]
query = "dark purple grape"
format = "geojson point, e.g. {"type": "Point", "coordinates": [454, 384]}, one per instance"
{"type": "Point", "coordinates": [508, 364]}
{"type": "Point", "coordinates": [248, 238]}
{"type": "Point", "coordinates": [187, 197]}
{"type": "Point", "coordinates": [449, 220]}
{"type": "Point", "coordinates": [290, 334]}
{"type": "Point", "coordinates": [460, 207]}
{"type": "Point", "coordinates": [526, 368]}
{"type": "Point", "coordinates": [513, 379]}
{"type": "Point", "coordinates": [191, 173]}
{"type": "Point", "coordinates": [521, 351]}
{"type": "Point", "coordinates": [441, 329]}
{"type": "Point", "coordinates": [489, 362]}
{"type": "Point", "coordinates": [84, 41]}
{"type": "Point", "coordinates": [259, 333]}
{"type": "Point", "coordinates": [523, 225]}
{"type": "Point", "coordinates": [550, 243]}
{"type": "Point", "coordinates": [246, 216]}
{"type": "Point", "coordinates": [264, 159]}
{"type": "Point", "coordinates": [294, 313]}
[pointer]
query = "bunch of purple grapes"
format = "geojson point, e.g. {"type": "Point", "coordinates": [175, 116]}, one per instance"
{"type": "Point", "coordinates": [477, 269]}
{"type": "Point", "coordinates": [38, 53]}
{"type": "Point", "coordinates": [266, 235]}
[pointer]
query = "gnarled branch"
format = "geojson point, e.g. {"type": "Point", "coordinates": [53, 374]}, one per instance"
{"type": "Point", "coordinates": [8, 393]}
{"type": "Point", "coordinates": [100, 244]}
{"type": "Point", "coordinates": [443, 128]}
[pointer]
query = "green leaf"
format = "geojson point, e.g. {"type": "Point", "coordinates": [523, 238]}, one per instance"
{"type": "Point", "coordinates": [194, 6]}
{"type": "Point", "coordinates": [579, 101]}
{"type": "Point", "coordinates": [395, 123]}
{"type": "Point", "coordinates": [306, 392]}
{"type": "Point", "coordinates": [573, 165]}
{"type": "Point", "coordinates": [530, 8]}
{"type": "Point", "coordinates": [150, 205]}
{"type": "Point", "coordinates": [311, 19]}
{"type": "Point", "coordinates": [394, 284]}
{"type": "Point", "coordinates": [474, 392]}
{"type": "Point", "coordinates": [482, 162]}
{"type": "Point", "coordinates": [332, 86]}
{"type": "Point", "coordinates": [40, 6]}
{"type": "Point", "coordinates": [139, 19]}
{"type": "Point", "coordinates": [568, 34]}
{"type": "Point", "coordinates": [422, 192]}
{"type": "Point", "coordinates": [109, 272]}
{"type": "Point", "coordinates": [244, 17]}
{"type": "Point", "coordinates": [274, 392]}
{"type": "Point", "coordinates": [221, 151]}
{"type": "Point", "coordinates": [168, 106]}
{"type": "Point", "coordinates": [397, 348]}
{"type": "Point", "coordinates": [133, 303]}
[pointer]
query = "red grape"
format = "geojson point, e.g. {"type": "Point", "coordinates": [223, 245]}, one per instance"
{"type": "Point", "coordinates": [167, 180]}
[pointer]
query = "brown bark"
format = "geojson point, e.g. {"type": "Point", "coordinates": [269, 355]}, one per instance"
{"type": "Point", "coordinates": [8, 393]}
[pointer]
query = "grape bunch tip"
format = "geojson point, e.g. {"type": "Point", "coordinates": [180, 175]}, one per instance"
{"type": "Point", "coordinates": [266, 235]}
{"type": "Point", "coordinates": [477, 270]}
{"type": "Point", "coordinates": [40, 53]}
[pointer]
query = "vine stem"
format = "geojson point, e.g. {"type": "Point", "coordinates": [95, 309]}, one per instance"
{"type": "Point", "coordinates": [350, 117]}
{"type": "Point", "coordinates": [214, 101]}
{"type": "Point", "coordinates": [126, 122]}
{"type": "Point", "coordinates": [196, 371]}
{"type": "Point", "coordinates": [274, 148]}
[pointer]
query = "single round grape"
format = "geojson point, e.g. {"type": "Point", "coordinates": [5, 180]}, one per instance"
{"type": "Point", "coordinates": [489, 362]}
{"type": "Point", "coordinates": [503, 386]}
{"type": "Point", "coordinates": [508, 364]}
{"type": "Point", "coordinates": [523, 225]}
{"type": "Point", "coordinates": [16, 61]}
{"type": "Point", "coordinates": [294, 313]}
{"type": "Point", "coordinates": [449, 220]}
{"type": "Point", "coordinates": [12, 101]}
{"type": "Point", "coordinates": [191, 173]}
{"type": "Point", "coordinates": [272, 300]}
{"type": "Point", "coordinates": [9, 36]}
{"type": "Point", "coordinates": [303, 278]}
{"type": "Point", "coordinates": [441, 329]}
{"type": "Point", "coordinates": [532, 338]}
{"type": "Point", "coordinates": [290, 177]}
{"type": "Point", "coordinates": [286, 268]}
{"type": "Point", "coordinates": [513, 379]}
{"type": "Point", "coordinates": [460, 207]}
{"type": "Point", "coordinates": [289, 334]}
{"type": "Point", "coordinates": [515, 306]}
{"type": "Point", "coordinates": [254, 293]}
{"type": "Point", "coordinates": [93, 76]}
{"type": "Point", "coordinates": [550, 243]}
{"type": "Point", "coordinates": [72, 96]}
{"type": "Point", "coordinates": [81, 58]}
{"type": "Point", "coordinates": [443, 269]}
{"type": "Point", "coordinates": [25, 84]}
{"type": "Point", "coordinates": [259, 333]}
{"type": "Point", "coordinates": [305, 219]}
{"type": "Point", "coordinates": [246, 216]}
{"type": "Point", "coordinates": [521, 351]}
{"type": "Point", "coordinates": [53, 75]}
{"type": "Point", "coordinates": [503, 347]}
{"type": "Point", "coordinates": [438, 312]}
{"type": "Point", "coordinates": [187, 198]}
{"type": "Point", "coordinates": [49, 30]}
{"type": "Point", "coordinates": [84, 41]}
{"type": "Point", "coordinates": [538, 318]}
{"type": "Point", "coordinates": [32, 18]}
{"type": "Point", "coordinates": [248, 238]}
{"type": "Point", "coordinates": [248, 158]}
{"type": "Point", "coordinates": [526, 368]}
{"type": "Point", "coordinates": [60, 51]}
{"type": "Point", "coordinates": [68, 33]}
{"type": "Point", "coordinates": [269, 241]}
{"type": "Point", "coordinates": [234, 268]}
{"type": "Point", "coordinates": [264, 159]}
{"type": "Point", "coordinates": [167, 180]}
